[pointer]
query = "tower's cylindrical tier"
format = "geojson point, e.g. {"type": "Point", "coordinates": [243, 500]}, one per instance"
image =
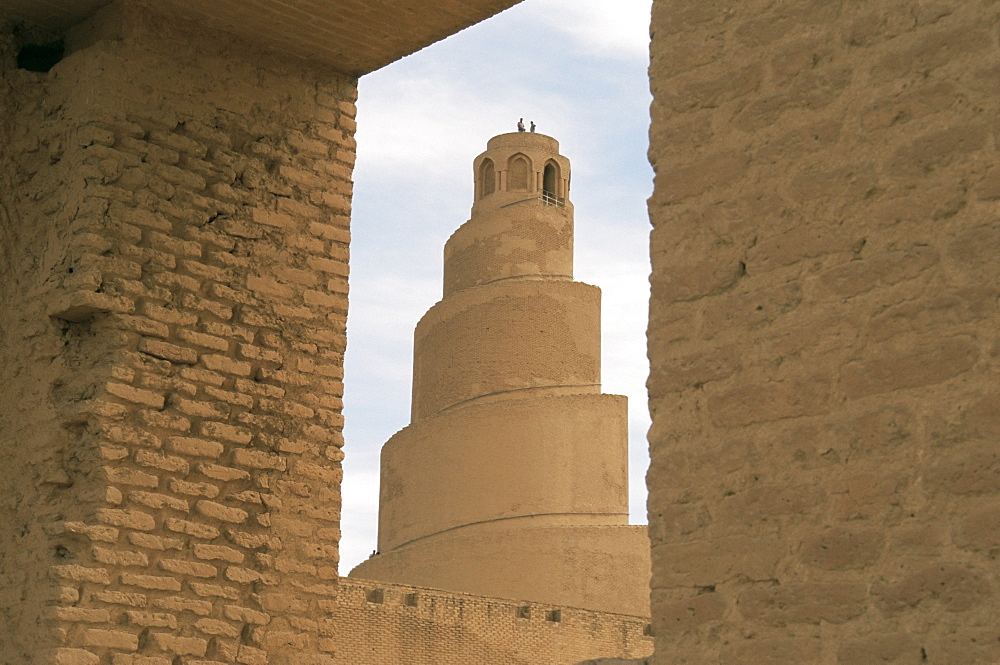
{"type": "Point", "coordinates": [559, 460]}
{"type": "Point", "coordinates": [605, 568]}
{"type": "Point", "coordinates": [510, 335]}
{"type": "Point", "coordinates": [530, 238]}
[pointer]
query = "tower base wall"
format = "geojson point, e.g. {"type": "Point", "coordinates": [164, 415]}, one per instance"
{"type": "Point", "coordinates": [558, 458]}
{"type": "Point", "coordinates": [374, 623]}
{"type": "Point", "coordinates": [603, 568]}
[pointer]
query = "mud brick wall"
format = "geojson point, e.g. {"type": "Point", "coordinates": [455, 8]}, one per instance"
{"type": "Point", "coordinates": [173, 294]}
{"type": "Point", "coordinates": [825, 480]}
{"type": "Point", "coordinates": [379, 624]}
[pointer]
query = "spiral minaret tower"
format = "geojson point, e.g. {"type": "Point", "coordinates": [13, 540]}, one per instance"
{"type": "Point", "coordinates": [512, 478]}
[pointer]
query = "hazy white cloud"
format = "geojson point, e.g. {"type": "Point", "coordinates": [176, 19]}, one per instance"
{"type": "Point", "coordinates": [359, 514]}
{"type": "Point", "coordinates": [432, 126]}
{"type": "Point", "coordinates": [609, 28]}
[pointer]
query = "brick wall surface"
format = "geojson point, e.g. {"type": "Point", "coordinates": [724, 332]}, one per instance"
{"type": "Point", "coordinates": [378, 624]}
{"type": "Point", "coordinates": [38, 455]}
{"type": "Point", "coordinates": [174, 224]}
{"type": "Point", "coordinates": [825, 479]}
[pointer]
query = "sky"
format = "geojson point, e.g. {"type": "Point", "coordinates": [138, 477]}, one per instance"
{"type": "Point", "coordinates": [577, 68]}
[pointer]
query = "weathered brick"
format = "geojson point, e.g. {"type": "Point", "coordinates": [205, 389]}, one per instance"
{"type": "Point", "coordinates": [246, 615]}
{"type": "Point", "coordinates": [167, 351]}
{"type": "Point", "coordinates": [129, 519]}
{"type": "Point", "coordinates": [121, 598]}
{"type": "Point", "coordinates": [193, 489]}
{"type": "Point", "coordinates": [174, 604]}
{"type": "Point", "coordinates": [220, 512]}
{"type": "Point", "coordinates": [253, 352]}
{"type": "Point", "coordinates": [223, 473]}
{"type": "Point", "coordinates": [115, 639]}
{"type": "Point", "coordinates": [330, 300]}
{"type": "Point", "coordinates": [273, 219]}
{"type": "Point", "coordinates": [160, 461]}
{"type": "Point", "coordinates": [217, 627]}
{"type": "Point", "coordinates": [153, 542]}
{"type": "Point", "coordinates": [330, 232]}
{"type": "Point", "coordinates": [158, 501]}
{"type": "Point", "coordinates": [979, 529]}
{"type": "Point", "coordinates": [913, 368]}
{"type": "Point", "coordinates": [151, 582]}
{"type": "Point", "coordinates": [248, 655]}
{"type": "Point", "coordinates": [218, 553]}
{"type": "Point", "coordinates": [804, 602]}
{"type": "Point", "coordinates": [317, 472]}
{"type": "Point", "coordinates": [230, 397]}
{"type": "Point", "coordinates": [214, 308]}
{"type": "Point", "coordinates": [774, 651]}
{"type": "Point", "coordinates": [151, 619]}
{"type": "Point", "coordinates": [81, 615]}
{"type": "Point", "coordinates": [748, 404]}
{"type": "Point", "coordinates": [192, 568]}
{"type": "Point", "coordinates": [242, 575]}
{"type": "Point", "coordinates": [67, 656]}
{"type": "Point", "coordinates": [256, 388]}
{"type": "Point", "coordinates": [238, 435]}
{"type": "Point", "coordinates": [969, 471]}
{"type": "Point", "coordinates": [203, 376]}
{"type": "Point", "coordinates": [215, 590]}
{"type": "Point", "coordinates": [169, 315]}
{"type": "Point", "coordinates": [135, 395]}
{"type": "Point", "coordinates": [162, 420]}
{"type": "Point", "coordinates": [955, 587]}
{"type": "Point", "coordinates": [132, 436]}
{"type": "Point", "coordinates": [226, 365]}
{"type": "Point", "coordinates": [119, 557]}
{"type": "Point", "coordinates": [842, 548]}
{"type": "Point", "coordinates": [179, 646]}
{"type": "Point", "coordinates": [194, 529]}
{"type": "Point", "coordinates": [270, 287]}
{"type": "Point", "coordinates": [145, 326]}
{"type": "Point", "coordinates": [203, 340]}
{"type": "Point", "coordinates": [183, 445]}
{"type": "Point", "coordinates": [894, 648]}
{"type": "Point", "coordinates": [256, 459]}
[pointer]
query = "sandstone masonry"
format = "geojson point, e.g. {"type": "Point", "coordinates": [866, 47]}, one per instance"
{"type": "Point", "coordinates": [174, 226]}
{"type": "Point", "coordinates": [823, 333]}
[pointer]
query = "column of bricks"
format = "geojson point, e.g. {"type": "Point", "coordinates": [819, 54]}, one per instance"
{"type": "Point", "coordinates": [206, 275]}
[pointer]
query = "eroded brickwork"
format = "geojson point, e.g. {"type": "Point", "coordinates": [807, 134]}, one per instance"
{"type": "Point", "coordinates": [375, 623]}
{"type": "Point", "coordinates": [825, 480]}
{"type": "Point", "coordinates": [174, 230]}
{"type": "Point", "coordinates": [41, 458]}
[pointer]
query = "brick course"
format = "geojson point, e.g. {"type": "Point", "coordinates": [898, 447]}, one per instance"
{"type": "Point", "coordinates": [373, 623]}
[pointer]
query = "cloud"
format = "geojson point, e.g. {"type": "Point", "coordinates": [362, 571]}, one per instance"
{"type": "Point", "coordinates": [359, 513]}
{"type": "Point", "coordinates": [433, 125]}
{"type": "Point", "coordinates": [613, 29]}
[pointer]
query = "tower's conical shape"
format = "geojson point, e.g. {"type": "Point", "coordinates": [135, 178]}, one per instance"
{"type": "Point", "coordinates": [511, 479]}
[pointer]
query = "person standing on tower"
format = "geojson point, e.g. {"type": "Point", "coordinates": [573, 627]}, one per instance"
{"type": "Point", "coordinates": [520, 125]}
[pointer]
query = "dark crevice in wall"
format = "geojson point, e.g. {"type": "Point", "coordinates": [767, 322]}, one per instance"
{"type": "Point", "coordinates": [40, 57]}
